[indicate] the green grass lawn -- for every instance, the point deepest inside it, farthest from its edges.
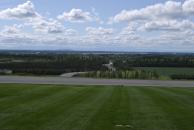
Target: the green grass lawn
(167, 71)
(49, 107)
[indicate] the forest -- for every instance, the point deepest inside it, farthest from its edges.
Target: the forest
(59, 63)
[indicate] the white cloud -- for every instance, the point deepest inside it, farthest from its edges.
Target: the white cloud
(168, 10)
(10, 30)
(168, 16)
(71, 32)
(99, 31)
(129, 16)
(46, 26)
(76, 15)
(172, 40)
(188, 6)
(97, 36)
(155, 26)
(168, 25)
(131, 28)
(22, 11)
(27, 13)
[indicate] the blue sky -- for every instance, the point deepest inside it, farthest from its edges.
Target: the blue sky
(103, 25)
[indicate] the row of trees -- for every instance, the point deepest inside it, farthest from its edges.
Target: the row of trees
(154, 61)
(51, 64)
(55, 64)
(129, 74)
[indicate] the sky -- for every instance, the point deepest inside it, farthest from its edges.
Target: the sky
(97, 25)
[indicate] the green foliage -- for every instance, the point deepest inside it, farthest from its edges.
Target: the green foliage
(167, 73)
(52, 64)
(56, 63)
(182, 76)
(129, 74)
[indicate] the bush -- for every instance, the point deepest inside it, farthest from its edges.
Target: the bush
(129, 74)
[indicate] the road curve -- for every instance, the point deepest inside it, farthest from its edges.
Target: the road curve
(89, 81)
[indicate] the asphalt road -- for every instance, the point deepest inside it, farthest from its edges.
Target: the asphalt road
(88, 81)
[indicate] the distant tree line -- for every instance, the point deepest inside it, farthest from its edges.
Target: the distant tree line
(52, 65)
(55, 64)
(154, 61)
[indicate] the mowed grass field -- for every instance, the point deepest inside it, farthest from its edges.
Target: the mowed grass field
(49, 107)
(167, 71)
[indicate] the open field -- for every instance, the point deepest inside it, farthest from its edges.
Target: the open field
(44, 107)
(167, 71)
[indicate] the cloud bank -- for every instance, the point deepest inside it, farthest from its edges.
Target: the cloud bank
(154, 27)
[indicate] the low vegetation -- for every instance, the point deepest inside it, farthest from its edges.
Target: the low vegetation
(129, 74)
(171, 72)
(51, 107)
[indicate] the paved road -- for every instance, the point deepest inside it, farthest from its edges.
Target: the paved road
(88, 81)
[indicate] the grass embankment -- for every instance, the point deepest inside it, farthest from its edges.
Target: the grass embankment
(44, 107)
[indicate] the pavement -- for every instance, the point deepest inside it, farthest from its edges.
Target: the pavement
(91, 81)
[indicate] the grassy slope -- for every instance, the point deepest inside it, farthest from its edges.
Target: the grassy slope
(34, 107)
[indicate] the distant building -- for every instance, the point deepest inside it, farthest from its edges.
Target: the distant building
(110, 66)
